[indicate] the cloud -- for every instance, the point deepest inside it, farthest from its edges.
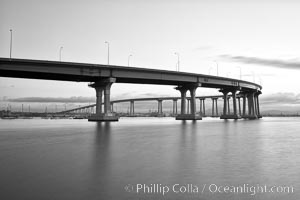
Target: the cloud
(280, 98)
(203, 48)
(291, 64)
(55, 99)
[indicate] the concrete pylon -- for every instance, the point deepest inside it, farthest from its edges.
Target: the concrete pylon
(182, 91)
(159, 108)
(131, 110)
(244, 95)
(214, 112)
(250, 98)
(239, 105)
(103, 87)
(202, 107)
(174, 107)
(192, 115)
(257, 103)
(226, 112)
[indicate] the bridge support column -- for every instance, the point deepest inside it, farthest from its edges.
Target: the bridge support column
(253, 105)
(249, 97)
(174, 107)
(101, 87)
(226, 112)
(159, 108)
(214, 112)
(193, 100)
(183, 99)
(192, 115)
(213, 107)
(257, 104)
(202, 107)
(131, 110)
(244, 104)
(239, 101)
(99, 91)
(225, 104)
(228, 105)
(252, 111)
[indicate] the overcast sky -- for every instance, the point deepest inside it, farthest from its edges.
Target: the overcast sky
(259, 38)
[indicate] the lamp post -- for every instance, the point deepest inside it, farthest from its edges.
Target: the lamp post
(10, 49)
(60, 50)
(217, 67)
(107, 51)
(129, 59)
(178, 62)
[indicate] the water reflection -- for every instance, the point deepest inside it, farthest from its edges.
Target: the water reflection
(85, 160)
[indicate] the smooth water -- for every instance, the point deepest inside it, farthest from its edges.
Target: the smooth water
(142, 158)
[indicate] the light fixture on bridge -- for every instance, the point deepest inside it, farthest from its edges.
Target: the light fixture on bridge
(10, 49)
(240, 72)
(178, 62)
(217, 67)
(107, 52)
(129, 59)
(60, 50)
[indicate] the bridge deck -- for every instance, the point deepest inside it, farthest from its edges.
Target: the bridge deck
(83, 72)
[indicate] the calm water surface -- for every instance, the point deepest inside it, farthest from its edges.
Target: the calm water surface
(76, 159)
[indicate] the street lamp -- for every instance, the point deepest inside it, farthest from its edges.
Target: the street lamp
(178, 62)
(60, 50)
(217, 67)
(10, 49)
(107, 51)
(129, 59)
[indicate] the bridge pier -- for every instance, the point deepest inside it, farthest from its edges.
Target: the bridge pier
(239, 101)
(228, 105)
(257, 104)
(174, 107)
(192, 114)
(250, 98)
(214, 112)
(251, 104)
(202, 107)
(226, 109)
(159, 108)
(244, 95)
(131, 109)
(103, 87)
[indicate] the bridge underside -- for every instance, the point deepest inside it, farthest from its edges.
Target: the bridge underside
(85, 78)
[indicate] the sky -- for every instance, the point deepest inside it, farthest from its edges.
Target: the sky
(254, 40)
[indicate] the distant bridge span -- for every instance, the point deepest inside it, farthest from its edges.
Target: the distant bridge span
(159, 99)
(103, 76)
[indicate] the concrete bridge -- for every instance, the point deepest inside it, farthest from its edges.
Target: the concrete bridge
(90, 109)
(103, 76)
(215, 113)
